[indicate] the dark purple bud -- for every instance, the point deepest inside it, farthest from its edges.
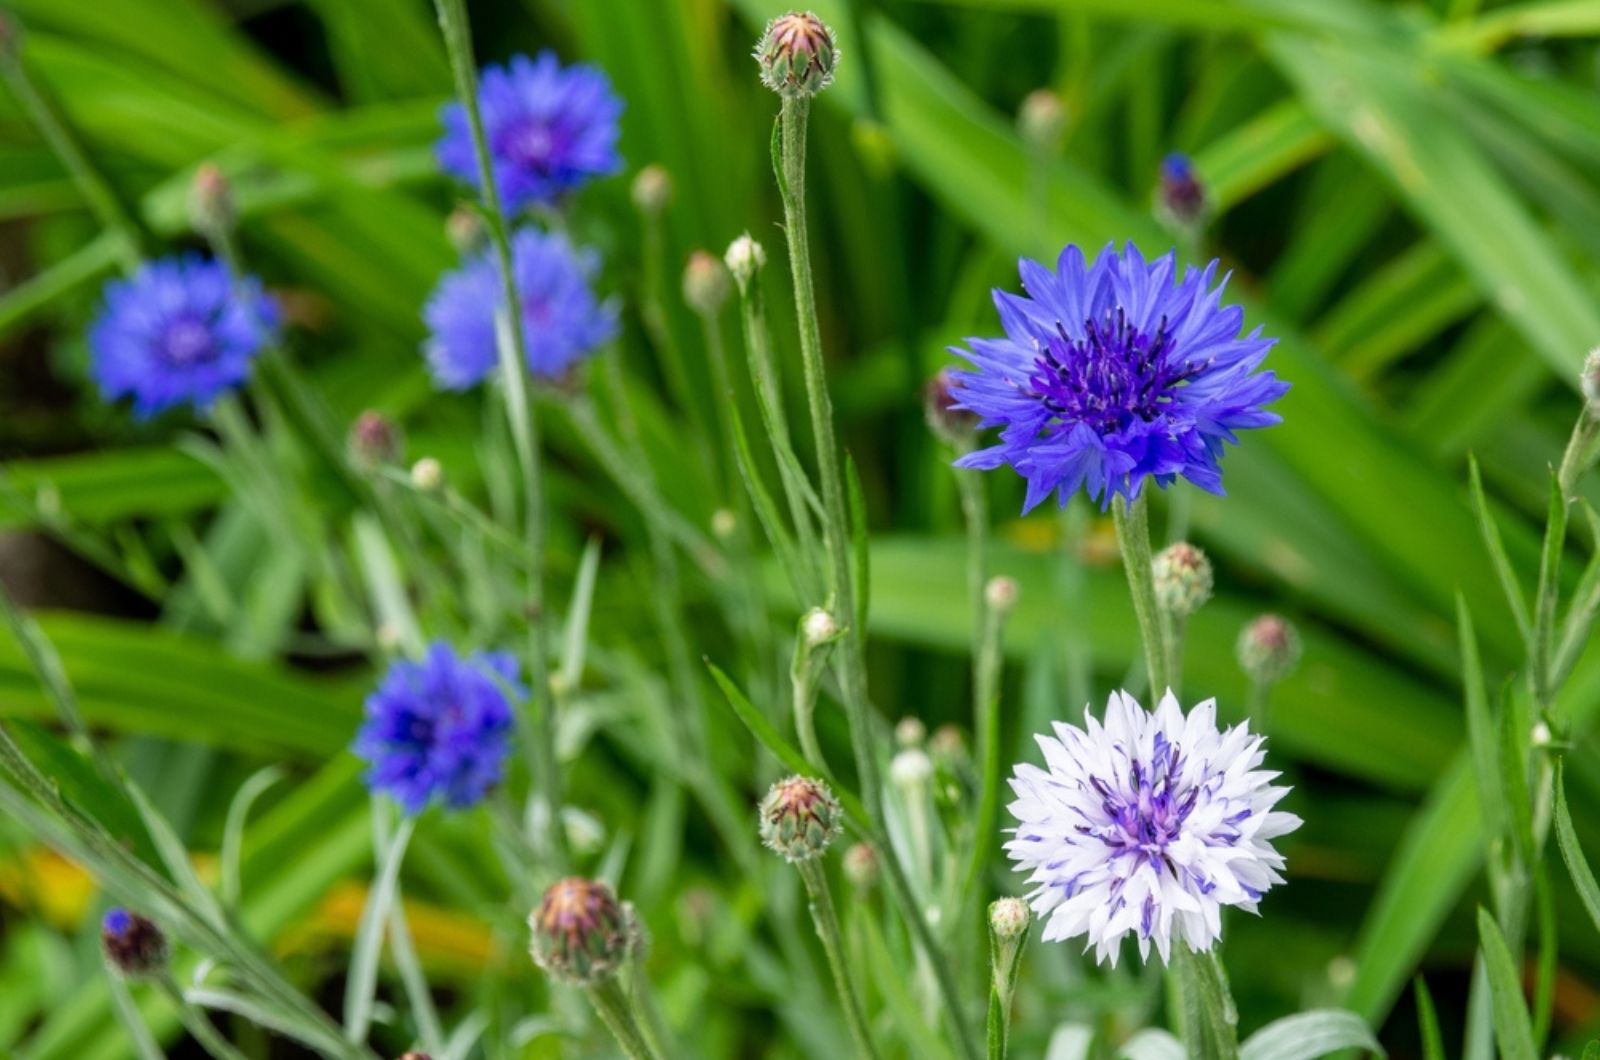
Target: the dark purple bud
(1181, 198)
(132, 943)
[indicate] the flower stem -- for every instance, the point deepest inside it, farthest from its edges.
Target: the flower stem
(827, 923)
(1005, 960)
(1133, 537)
(986, 728)
(1206, 1012)
(196, 1022)
(540, 724)
(617, 1014)
(836, 538)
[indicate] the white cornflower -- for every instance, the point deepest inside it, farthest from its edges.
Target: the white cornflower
(1149, 824)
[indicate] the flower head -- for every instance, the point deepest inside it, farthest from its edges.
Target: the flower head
(1114, 373)
(1268, 649)
(1008, 917)
(1146, 824)
(581, 933)
(179, 331)
(439, 729)
(800, 818)
(374, 441)
(132, 943)
(563, 321)
(797, 54)
(1183, 578)
(550, 129)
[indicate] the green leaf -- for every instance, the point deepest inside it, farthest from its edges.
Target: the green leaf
(1307, 1035)
(1577, 865)
(362, 979)
(1428, 1023)
(1512, 1028)
(1497, 553)
(1482, 735)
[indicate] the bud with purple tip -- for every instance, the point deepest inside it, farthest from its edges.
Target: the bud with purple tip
(955, 426)
(1183, 579)
(132, 943)
(652, 190)
(1268, 649)
(797, 55)
(706, 283)
(581, 933)
(375, 441)
(1181, 199)
(800, 818)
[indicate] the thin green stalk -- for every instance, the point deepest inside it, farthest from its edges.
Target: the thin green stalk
(986, 726)
(1579, 453)
(1172, 630)
(1133, 537)
(612, 1006)
(525, 428)
(1005, 962)
(198, 1023)
(1208, 1018)
(827, 923)
(852, 661)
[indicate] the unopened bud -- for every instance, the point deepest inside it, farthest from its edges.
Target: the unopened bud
(861, 866)
(1042, 121)
(745, 258)
(1008, 918)
(819, 627)
(1590, 381)
(1000, 594)
(797, 55)
(1540, 737)
(947, 745)
(705, 283)
(910, 768)
(375, 441)
(1180, 197)
(949, 423)
(724, 523)
(910, 732)
(1268, 649)
(652, 190)
(580, 933)
(427, 474)
(464, 229)
(211, 208)
(1183, 579)
(132, 943)
(414, 1055)
(799, 818)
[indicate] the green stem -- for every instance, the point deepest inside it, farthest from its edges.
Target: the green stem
(617, 1014)
(1005, 961)
(541, 720)
(1208, 1018)
(1579, 453)
(1133, 537)
(827, 923)
(198, 1023)
(1172, 629)
(986, 726)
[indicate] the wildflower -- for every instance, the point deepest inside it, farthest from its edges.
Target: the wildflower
(1008, 918)
(375, 441)
(652, 190)
(797, 55)
(439, 729)
(1183, 578)
(563, 321)
(744, 258)
(179, 331)
(705, 283)
(581, 934)
(551, 128)
(1114, 373)
(799, 818)
(1268, 649)
(1042, 120)
(1180, 197)
(132, 943)
(1146, 824)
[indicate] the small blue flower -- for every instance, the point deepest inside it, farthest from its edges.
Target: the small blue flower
(550, 129)
(562, 319)
(1113, 373)
(439, 729)
(179, 331)
(1180, 197)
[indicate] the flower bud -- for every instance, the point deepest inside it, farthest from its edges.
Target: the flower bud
(861, 866)
(910, 768)
(375, 441)
(910, 732)
(818, 627)
(1268, 649)
(1042, 121)
(745, 258)
(1008, 918)
(1590, 382)
(580, 932)
(652, 190)
(705, 283)
(724, 523)
(797, 55)
(947, 746)
(414, 1055)
(947, 422)
(1180, 197)
(132, 943)
(1540, 736)
(427, 475)
(799, 818)
(1000, 594)
(464, 229)
(1182, 579)
(211, 209)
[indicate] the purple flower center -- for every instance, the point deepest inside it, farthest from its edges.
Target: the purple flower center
(1110, 375)
(187, 341)
(1146, 812)
(531, 142)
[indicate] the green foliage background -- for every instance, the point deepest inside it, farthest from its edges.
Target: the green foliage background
(1409, 197)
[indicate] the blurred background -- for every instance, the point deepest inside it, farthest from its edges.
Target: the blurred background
(1407, 194)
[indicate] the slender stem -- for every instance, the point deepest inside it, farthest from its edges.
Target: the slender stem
(1256, 704)
(541, 722)
(1005, 960)
(827, 923)
(804, 671)
(986, 726)
(198, 1023)
(1133, 537)
(852, 661)
(614, 1010)
(1172, 629)
(1579, 452)
(1208, 1018)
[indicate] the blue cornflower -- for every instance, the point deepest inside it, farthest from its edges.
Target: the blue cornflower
(1114, 373)
(439, 729)
(180, 330)
(562, 319)
(550, 128)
